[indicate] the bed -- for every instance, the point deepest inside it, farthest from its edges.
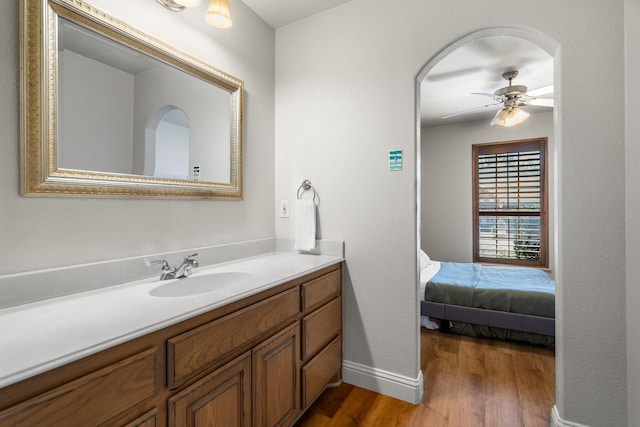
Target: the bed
(510, 303)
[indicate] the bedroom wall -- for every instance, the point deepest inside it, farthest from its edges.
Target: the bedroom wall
(632, 38)
(51, 232)
(345, 97)
(446, 182)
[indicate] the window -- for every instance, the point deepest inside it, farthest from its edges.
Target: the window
(510, 203)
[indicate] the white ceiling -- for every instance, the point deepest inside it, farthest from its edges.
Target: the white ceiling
(477, 68)
(448, 87)
(278, 13)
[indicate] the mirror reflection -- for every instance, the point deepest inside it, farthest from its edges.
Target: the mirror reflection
(121, 111)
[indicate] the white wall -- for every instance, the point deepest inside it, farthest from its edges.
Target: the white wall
(446, 232)
(49, 232)
(346, 96)
(632, 90)
(99, 134)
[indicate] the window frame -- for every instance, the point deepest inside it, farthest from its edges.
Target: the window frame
(521, 145)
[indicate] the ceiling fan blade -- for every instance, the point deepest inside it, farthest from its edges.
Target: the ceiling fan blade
(482, 94)
(541, 102)
(453, 74)
(470, 110)
(543, 90)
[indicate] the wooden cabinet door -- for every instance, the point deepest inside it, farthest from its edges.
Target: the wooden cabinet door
(276, 379)
(150, 419)
(221, 399)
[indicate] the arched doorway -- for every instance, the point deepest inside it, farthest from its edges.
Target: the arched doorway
(481, 58)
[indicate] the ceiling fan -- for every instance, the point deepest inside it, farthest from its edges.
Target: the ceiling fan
(512, 97)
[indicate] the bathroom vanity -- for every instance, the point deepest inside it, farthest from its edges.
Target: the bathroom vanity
(255, 354)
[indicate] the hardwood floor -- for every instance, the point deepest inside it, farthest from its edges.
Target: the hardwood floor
(468, 382)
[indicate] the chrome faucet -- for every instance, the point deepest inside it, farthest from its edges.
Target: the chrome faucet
(167, 271)
(185, 269)
(187, 266)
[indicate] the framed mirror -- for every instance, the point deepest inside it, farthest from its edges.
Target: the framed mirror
(107, 110)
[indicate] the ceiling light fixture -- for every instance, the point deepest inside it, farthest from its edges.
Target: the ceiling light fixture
(188, 3)
(178, 5)
(217, 15)
(509, 116)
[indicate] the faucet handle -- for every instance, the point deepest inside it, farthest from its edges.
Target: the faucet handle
(165, 264)
(190, 257)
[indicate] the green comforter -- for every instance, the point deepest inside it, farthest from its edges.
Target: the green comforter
(512, 289)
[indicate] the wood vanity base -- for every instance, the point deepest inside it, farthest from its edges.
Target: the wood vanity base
(260, 361)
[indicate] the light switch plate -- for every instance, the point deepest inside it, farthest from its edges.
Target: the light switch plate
(284, 209)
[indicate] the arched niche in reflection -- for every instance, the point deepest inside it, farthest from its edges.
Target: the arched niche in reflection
(167, 144)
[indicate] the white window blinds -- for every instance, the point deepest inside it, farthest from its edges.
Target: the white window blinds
(510, 202)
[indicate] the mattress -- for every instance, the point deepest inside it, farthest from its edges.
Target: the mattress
(512, 289)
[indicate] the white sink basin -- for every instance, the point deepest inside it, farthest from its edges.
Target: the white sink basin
(199, 284)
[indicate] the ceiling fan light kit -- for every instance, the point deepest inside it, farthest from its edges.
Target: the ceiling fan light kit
(511, 96)
(508, 117)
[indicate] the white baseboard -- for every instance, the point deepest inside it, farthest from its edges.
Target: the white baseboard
(384, 382)
(557, 421)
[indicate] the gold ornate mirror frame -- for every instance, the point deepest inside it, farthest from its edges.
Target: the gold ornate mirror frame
(40, 174)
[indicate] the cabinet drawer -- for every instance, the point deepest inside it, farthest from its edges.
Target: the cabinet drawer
(321, 289)
(320, 370)
(320, 327)
(92, 399)
(193, 351)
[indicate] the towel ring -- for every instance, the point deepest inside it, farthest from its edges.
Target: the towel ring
(306, 186)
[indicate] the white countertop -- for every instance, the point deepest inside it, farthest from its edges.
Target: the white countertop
(43, 335)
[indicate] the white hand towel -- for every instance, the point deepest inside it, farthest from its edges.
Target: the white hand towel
(305, 225)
